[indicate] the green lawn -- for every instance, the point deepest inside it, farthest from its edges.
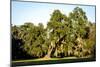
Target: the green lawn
(41, 59)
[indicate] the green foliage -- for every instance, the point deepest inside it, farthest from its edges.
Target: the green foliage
(64, 36)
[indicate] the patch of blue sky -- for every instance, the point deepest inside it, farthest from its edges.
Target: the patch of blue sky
(40, 12)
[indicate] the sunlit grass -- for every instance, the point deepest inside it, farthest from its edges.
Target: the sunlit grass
(43, 59)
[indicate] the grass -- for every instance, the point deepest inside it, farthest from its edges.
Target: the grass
(43, 59)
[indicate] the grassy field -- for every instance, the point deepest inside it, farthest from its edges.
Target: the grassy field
(42, 61)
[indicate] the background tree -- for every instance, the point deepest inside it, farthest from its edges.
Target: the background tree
(81, 29)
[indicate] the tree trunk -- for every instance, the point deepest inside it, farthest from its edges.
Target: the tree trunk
(50, 49)
(53, 47)
(49, 52)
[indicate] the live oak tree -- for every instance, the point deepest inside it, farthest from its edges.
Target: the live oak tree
(57, 32)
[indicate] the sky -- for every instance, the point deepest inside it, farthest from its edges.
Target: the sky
(40, 12)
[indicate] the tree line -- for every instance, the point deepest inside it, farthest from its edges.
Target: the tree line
(65, 36)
